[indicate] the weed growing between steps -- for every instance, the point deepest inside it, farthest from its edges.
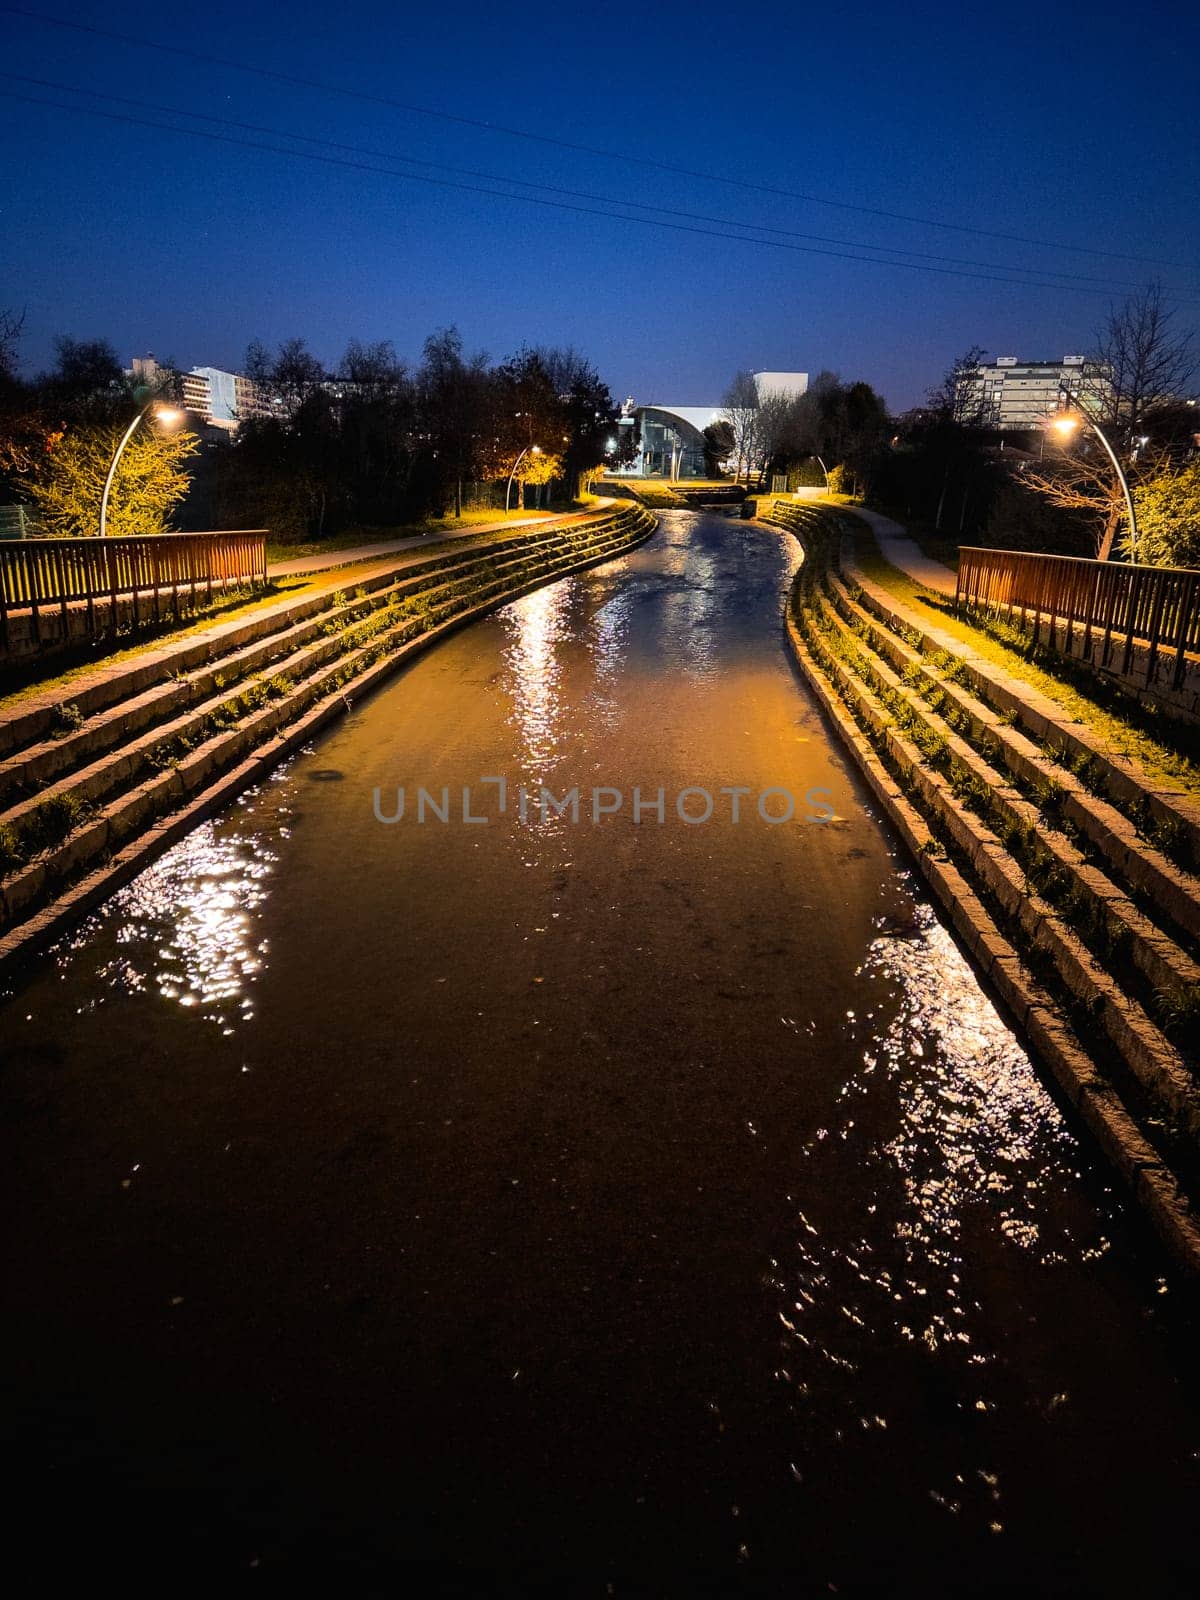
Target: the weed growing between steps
(1046, 875)
(1169, 751)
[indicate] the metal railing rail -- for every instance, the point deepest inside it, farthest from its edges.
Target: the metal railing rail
(40, 575)
(1126, 605)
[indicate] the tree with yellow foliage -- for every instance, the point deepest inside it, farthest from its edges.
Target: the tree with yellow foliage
(67, 482)
(541, 470)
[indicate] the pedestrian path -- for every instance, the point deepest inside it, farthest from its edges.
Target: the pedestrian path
(906, 554)
(370, 552)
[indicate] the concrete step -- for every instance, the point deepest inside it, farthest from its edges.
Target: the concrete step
(1150, 1056)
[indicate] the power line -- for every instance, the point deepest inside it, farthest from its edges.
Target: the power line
(536, 200)
(414, 109)
(576, 194)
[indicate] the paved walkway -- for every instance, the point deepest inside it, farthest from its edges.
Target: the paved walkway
(906, 554)
(370, 552)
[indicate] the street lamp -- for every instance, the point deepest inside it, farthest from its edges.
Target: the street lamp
(165, 414)
(1065, 426)
(529, 450)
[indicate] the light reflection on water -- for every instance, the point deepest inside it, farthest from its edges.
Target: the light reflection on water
(980, 1146)
(978, 1124)
(187, 927)
(535, 626)
(607, 641)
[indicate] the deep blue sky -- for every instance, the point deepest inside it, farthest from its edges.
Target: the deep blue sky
(1070, 124)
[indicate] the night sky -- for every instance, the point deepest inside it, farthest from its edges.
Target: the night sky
(1071, 125)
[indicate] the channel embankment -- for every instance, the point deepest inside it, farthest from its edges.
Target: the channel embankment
(1068, 872)
(93, 788)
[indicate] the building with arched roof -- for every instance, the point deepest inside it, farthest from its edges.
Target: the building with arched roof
(671, 438)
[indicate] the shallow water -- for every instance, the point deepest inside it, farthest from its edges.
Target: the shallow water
(647, 1204)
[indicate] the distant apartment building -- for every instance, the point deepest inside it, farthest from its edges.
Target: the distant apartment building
(1010, 393)
(219, 398)
(223, 398)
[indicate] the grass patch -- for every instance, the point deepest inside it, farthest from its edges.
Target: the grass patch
(67, 719)
(50, 823)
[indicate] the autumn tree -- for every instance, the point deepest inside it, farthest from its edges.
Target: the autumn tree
(539, 468)
(67, 483)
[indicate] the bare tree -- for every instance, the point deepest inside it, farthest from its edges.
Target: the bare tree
(741, 413)
(454, 393)
(291, 377)
(1141, 361)
(959, 398)
(1140, 366)
(775, 426)
(11, 327)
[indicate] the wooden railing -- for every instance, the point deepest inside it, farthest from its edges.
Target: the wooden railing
(94, 576)
(1125, 606)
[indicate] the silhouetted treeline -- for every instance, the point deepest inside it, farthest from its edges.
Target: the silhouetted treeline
(377, 444)
(371, 442)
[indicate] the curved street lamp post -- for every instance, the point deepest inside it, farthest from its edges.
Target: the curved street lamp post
(164, 414)
(529, 450)
(1066, 425)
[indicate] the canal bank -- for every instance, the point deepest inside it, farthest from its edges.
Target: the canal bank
(1045, 846)
(646, 1204)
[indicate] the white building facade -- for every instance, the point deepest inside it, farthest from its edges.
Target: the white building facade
(671, 438)
(1010, 393)
(219, 398)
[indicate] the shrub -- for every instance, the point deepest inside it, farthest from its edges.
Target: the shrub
(10, 850)
(66, 719)
(51, 822)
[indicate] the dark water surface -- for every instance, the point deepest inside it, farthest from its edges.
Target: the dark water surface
(652, 1206)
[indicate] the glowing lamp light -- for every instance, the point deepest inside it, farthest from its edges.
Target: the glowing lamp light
(529, 450)
(1065, 424)
(164, 414)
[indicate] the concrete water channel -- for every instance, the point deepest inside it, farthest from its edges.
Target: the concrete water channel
(660, 1205)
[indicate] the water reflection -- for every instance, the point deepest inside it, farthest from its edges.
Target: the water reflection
(186, 927)
(535, 626)
(608, 643)
(978, 1125)
(980, 1148)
